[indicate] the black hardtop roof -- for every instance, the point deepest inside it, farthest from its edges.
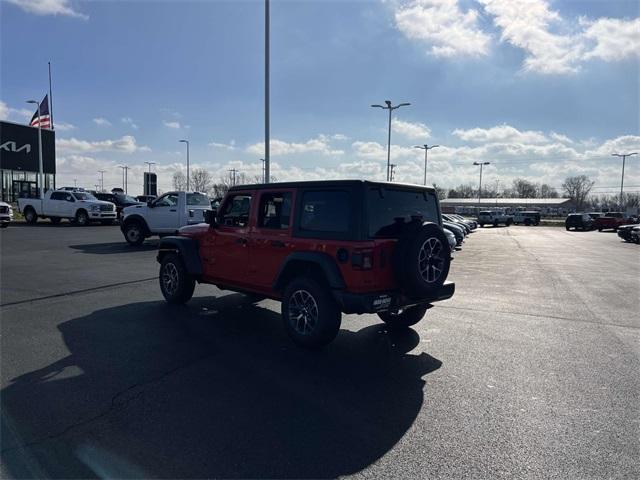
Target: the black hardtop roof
(327, 183)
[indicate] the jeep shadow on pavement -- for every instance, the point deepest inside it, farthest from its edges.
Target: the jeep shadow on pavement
(212, 390)
(322, 249)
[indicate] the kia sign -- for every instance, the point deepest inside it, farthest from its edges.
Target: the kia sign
(19, 148)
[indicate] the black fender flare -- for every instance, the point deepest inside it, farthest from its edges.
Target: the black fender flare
(187, 248)
(137, 218)
(325, 262)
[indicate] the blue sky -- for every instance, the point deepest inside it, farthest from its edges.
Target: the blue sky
(542, 89)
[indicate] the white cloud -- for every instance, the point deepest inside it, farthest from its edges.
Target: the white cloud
(339, 136)
(554, 45)
(413, 131)
(614, 39)
(175, 125)
(319, 144)
(49, 7)
(102, 122)
(227, 146)
(64, 127)
(126, 144)
(447, 30)
(129, 121)
(500, 133)
(560, 137)
(14, 114)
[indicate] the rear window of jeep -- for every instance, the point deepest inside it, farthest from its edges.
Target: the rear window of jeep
(325, 211)
(390, 208)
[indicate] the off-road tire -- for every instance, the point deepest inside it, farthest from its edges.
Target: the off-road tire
(401, 319)
(134, 233)
(568, 228)
(55, 220)
(318, 316)
(176, 284)
(421, 260)
(30, 216)
(82, 218)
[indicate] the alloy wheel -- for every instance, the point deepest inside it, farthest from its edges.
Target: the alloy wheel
(431, 260)
(303, 312)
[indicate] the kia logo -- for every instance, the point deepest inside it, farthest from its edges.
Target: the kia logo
(12, 147)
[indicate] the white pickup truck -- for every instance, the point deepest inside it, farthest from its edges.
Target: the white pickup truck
(78, 207)
(494, 217)
(164, 215)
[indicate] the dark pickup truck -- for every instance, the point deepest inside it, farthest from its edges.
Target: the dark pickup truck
(611, 221)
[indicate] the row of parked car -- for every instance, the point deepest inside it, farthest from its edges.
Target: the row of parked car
(628, 227)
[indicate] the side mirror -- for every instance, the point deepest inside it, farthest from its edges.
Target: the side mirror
(210, 218)
(150, 203)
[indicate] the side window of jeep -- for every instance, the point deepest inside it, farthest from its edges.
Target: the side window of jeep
(325, 211)
(236, 210)
(275, 211)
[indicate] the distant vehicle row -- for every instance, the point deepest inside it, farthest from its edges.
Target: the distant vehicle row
(597, 220)
(77, 206)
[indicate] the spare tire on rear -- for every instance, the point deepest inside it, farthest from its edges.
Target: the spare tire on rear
(422, 259)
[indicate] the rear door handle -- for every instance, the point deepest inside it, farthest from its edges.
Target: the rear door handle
(277, 243)
(241, 241)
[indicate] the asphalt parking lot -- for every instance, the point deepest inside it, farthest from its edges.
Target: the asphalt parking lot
(530, 371)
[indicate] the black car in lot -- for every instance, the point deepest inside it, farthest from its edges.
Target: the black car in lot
(119, 199)
(579, 221)
(625, 232)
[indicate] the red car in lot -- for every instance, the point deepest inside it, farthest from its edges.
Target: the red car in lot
(611, 221)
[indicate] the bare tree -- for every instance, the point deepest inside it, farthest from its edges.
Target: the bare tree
(523, 188)
(200, 180)
(440, 192)
(463, 191)
(179, 181)
(577, 189)
(546, 191)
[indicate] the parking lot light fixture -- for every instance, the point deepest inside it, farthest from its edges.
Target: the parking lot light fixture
(624, 157)
(391, 108)
(426, 149)
(480, 186)
(187, 142)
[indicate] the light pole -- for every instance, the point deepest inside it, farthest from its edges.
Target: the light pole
(125, 177)
(480, 187)
(187, 142)
(101, 172)
(264, 170)
(148, 192)
(392, 169)
(624, 157)
(40, 174)
(267, 153)
(426, 149)
(391, 108)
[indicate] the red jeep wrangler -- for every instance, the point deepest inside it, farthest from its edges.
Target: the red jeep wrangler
(321, 248)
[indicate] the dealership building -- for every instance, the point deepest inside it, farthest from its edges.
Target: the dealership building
(19, 161)
(546, 206)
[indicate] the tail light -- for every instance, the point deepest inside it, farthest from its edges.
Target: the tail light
(362, 259)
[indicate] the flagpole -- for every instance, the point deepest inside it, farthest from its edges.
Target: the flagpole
(50, 98)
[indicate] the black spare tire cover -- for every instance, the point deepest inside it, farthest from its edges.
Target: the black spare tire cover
(422, 259)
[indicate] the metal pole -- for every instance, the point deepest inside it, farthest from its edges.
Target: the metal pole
(480, 187)
(41, 174)
(50, 98)
(389, 148)
(187, 166)
(426, 153)
(624, 157)
(101, 172)
(267, 153)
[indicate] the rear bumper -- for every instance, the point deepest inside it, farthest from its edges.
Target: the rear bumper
(391, 300)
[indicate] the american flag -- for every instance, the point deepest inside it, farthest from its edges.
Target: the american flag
(44, 120)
